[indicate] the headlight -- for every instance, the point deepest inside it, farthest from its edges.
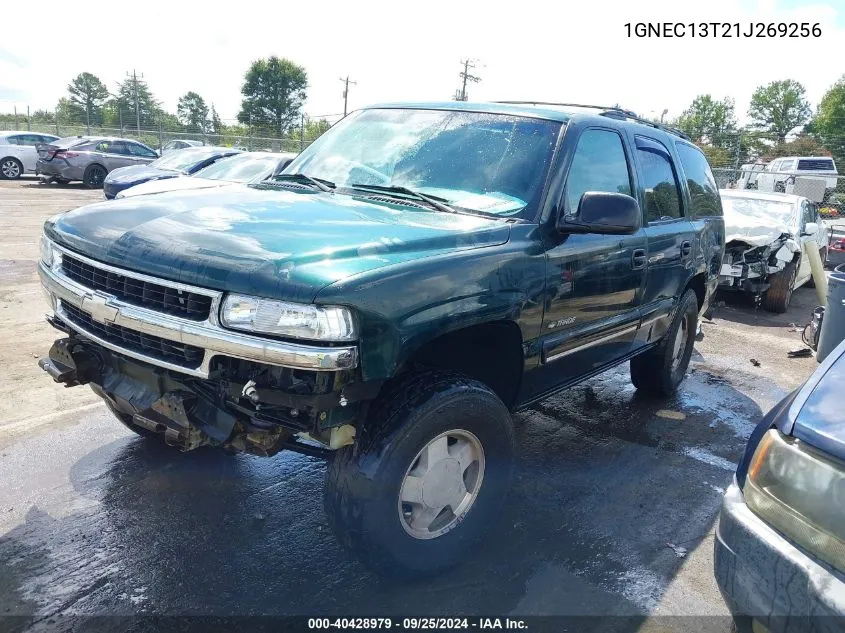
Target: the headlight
(46, 251)
(801, 493)
(296, 320)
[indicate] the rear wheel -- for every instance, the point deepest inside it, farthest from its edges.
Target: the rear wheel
(11, 168)
(661, 369)
(427, 476)
(780, 289)
(94, 176)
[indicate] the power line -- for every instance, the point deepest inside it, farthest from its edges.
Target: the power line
(137, 105)
(346, 91)
(461, 94)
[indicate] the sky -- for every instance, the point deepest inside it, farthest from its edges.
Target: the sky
(411, 51)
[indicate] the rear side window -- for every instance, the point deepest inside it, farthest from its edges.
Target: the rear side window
(815, 164)
(599, 164)
(704, 194)
(140, 150)
(662, 196)
(15, 140)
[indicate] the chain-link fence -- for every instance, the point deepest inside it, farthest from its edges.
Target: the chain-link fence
(295, 140)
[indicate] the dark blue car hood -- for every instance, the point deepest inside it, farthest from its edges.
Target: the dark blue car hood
(138, 173)
(817, 416)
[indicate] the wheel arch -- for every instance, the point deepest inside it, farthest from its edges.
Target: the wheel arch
(491, 353)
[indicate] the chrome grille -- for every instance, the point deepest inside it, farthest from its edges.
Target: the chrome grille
(187, 356)
(158, 297)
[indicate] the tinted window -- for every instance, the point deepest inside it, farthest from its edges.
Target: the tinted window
(662, 198)
(599, 164)
(704, 194)
(140, 150)
(15, 140)
(816, 164)
(808, 212)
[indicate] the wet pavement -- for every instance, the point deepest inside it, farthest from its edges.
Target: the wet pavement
(611, 510)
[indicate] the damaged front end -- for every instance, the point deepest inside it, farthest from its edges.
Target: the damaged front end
(157, 353)
(243, 406)
(748, 268)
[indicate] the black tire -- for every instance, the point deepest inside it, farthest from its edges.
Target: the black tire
(363, 482)
(10, 168)
(780, 289)
(659, 370)
(94, 176)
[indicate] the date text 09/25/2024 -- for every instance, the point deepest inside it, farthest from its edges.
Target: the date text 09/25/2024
(723, 29)
(418, 624)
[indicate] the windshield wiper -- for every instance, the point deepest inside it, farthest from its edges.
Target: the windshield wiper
(319, 183)
(436, 201)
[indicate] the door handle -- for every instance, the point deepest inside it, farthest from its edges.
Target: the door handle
(686, 248)
(638, 259)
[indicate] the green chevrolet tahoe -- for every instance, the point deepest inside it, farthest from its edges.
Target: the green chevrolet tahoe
(417, 274)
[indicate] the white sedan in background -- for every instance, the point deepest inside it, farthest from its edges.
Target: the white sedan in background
(765, 235)
(241, 168)
(17, 152)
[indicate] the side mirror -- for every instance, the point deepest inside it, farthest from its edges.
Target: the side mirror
(811, 228)
(604, 212)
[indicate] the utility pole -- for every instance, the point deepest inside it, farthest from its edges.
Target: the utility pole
(16, 116)
(346, 83)
(137, 104)
(28, 120)
(461, 95)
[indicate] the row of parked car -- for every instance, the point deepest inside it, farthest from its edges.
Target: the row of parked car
(115, 164)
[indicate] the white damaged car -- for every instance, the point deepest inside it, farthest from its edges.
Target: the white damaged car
(764, 238)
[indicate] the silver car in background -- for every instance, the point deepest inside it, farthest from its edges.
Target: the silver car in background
(17, 152)
(248, 167)
(89, 159)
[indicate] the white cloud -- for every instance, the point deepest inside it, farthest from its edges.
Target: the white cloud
(575, 51)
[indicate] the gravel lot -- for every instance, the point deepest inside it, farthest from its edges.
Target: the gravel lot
(612, 509)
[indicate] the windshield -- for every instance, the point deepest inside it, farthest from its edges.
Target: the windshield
(485, 162)
(183, 159)
(241, 168)
(767, 211)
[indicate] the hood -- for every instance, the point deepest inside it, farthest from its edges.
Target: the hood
(180, 183)
(746, 221)
(268, 242)
(820, 420)
(135, 173)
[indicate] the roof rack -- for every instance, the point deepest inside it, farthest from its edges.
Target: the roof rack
(611, 112)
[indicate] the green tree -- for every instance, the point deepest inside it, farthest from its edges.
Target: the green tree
(86, 96)
(149, 108)
(778, 108)
(193, 112)
(273, 93)
(709, 121)
(216, 123)
(829, 123)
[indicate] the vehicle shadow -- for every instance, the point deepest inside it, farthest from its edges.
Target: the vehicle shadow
(609, 487)
(739, 308)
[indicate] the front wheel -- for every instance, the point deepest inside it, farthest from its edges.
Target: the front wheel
(661, 369)
(781, 286)
(427, 476)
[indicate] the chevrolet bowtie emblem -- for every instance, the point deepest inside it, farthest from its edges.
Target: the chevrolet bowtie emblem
(99, 309)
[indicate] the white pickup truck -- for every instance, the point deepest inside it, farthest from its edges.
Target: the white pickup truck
(782, 172)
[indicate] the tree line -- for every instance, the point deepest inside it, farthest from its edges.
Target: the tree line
(778, 111)
(273, 92)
